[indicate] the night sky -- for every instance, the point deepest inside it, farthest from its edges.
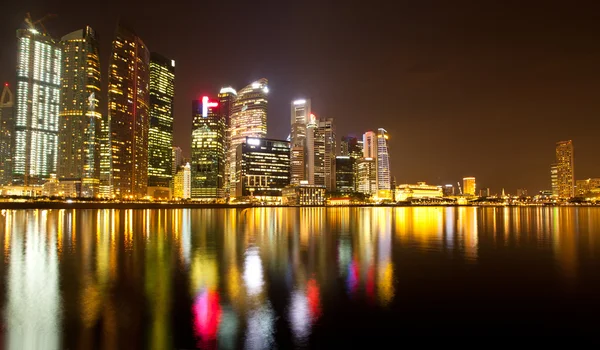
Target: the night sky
(465, 88)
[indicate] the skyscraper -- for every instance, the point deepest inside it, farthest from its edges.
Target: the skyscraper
(309, 151)
(297, 165)
(554, 178)
(80, 120)
(128, 113)
(469, 186)
(344, 174)
(37, 107)
(370, 145)
(351, 147)
(177, 155)
(182, 182)
(366, 181)
(160, 133)
(565, 169)
(227, 96)
(6, 135)
(208, 150)
(324, 150)
(248, 119)
(383, 161)
(300, 116)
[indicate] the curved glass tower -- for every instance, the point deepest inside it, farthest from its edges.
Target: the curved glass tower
(383, 161)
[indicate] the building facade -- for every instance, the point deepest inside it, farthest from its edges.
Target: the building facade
(80, 118)
(160, 132)
(469, 186)
(177, 156)
(383, 161)
(182, 182)
(37, 107)
(297, 165)
(304, 195)
(227, 96)
(248, 119)
(370, 145)
(324, 154)
(263, 169)
(366, 181)
(419, 191)
(129, 114)
(208, 150)
(300, 115)
(344, 174)
(6, 135)
(565, 168)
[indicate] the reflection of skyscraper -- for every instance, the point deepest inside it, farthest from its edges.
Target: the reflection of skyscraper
(208, 150)
(565, 169)
(160, 134)
(80, 117)
(37, 107)
(248, 119)
(6, 135)
(128, 112)
(383, 161)
(469, 186)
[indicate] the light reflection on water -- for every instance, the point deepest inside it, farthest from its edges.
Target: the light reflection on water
(233, 278)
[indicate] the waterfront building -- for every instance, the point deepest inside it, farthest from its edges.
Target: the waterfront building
(303, 194)
(80, 119)
(565, 169)
(177, 156)
(324, 154)
(248, 119)
(208, 150)
(344, 174)
(366, 176)
(419, 191)
(370, 145)
(554, 179)
(469, 186)
(300, 116)
(448, 190)
(160, 132)
(310, 150)
(182, 182)
(383, 165)
(484, 192)
(37, 105)
(297, 165)
(227, 96)
(262, 169)
(584, 187)
(128, 114)
(6, 135)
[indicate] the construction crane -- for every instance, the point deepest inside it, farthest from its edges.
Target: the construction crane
(32, 24)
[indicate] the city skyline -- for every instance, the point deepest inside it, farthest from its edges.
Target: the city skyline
(458, 112)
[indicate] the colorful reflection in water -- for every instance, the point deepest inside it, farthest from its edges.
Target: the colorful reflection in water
(285, 277)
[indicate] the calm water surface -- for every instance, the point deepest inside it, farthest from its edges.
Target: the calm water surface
(294, 277)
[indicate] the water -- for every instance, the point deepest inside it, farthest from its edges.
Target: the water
(294, 277)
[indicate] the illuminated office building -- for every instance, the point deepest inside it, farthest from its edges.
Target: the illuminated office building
(6, 135)
(419, 191)
(351, 146)
(128, 113)
(344, 174)
(554, 178)
(182, 182)
(366, 181)
(177, 156)
(160, 133)
(300, 116)
(227, 96)
(324, 154)
(80, 119)
(469, 187)
(309, 149)
(369, 145)
(208, 150)
(448, 190)
(565, 169)
(383, 161)
(248, 119)
(584, 187)
(262, 169)
(297, 165)
(37, 107)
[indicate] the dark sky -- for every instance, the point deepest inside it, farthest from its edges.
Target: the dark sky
(465, 88)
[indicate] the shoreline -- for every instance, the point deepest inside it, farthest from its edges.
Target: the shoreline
(134, 205)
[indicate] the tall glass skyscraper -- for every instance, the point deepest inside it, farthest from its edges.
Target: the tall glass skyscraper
(324, 158)
(300, 116)
(208, 150)
(565, 168)
(248, 119)
(227, 96)
(128, 113)
(384, 182)
(37, 107)
(6, 135)
(80, 120)
(160, 134)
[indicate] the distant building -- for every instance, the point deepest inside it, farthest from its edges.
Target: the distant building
(484, 192)
(565, 169)
(554, 179)
(469, 187)
(262, 169)
(351, 146)
(6, 135)
(366, 181)
(208, 150)
(370, 145)
(303, 194)
(419, 191)
(182, 183)
(80, 118)
(177, 157)
(300, 115)
(129, 113)
(227, 96)
(37, 107)
(344, 174)
(297, 165)
(324, 159)
(584, 187)
(160, 134)
(448, 190)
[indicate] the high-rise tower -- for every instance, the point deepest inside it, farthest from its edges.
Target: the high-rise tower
(248, 119)
(227, 96)
(300, 114)
(80, 118)
(37, 107)
(160, 134)
(6, 135)
(383, 161)
(324, 149)
(208, 150)
(565, 169)
(128, 113)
